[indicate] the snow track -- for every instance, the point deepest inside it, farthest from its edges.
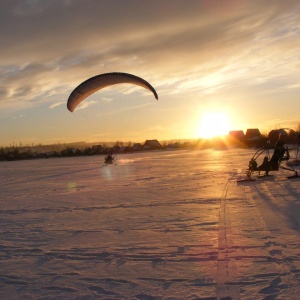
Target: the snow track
(227, 287)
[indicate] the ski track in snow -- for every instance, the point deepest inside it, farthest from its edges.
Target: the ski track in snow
(226, 266)
(158, 225)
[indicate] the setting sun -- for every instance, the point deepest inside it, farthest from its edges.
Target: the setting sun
(213, 124)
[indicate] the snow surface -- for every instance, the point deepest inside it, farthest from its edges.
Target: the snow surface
(158, 225)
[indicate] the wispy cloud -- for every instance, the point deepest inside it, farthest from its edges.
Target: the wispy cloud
(56, 104)
(85, 104)
(18, 117)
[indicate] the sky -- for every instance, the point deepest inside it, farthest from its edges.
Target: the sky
(235, 59)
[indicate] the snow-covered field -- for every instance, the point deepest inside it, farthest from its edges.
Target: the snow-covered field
(158, 225)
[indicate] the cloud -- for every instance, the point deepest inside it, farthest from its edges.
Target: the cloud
(85, 104)
(141, 36)
(56, 104)
(18, 117)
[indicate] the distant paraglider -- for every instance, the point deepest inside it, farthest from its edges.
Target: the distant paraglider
(101, 81)
(109, 159)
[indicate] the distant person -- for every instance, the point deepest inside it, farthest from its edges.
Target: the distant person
(109, 158)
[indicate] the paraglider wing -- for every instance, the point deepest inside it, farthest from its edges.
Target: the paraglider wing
(101, 81)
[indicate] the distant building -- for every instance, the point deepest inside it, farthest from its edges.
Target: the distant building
(152, 145)
(275, 134)
(253, 137)
(237, 134)
(237, 137)
(97, 148)
(253, 134)
(137, 147)
(70, 152)
(174, 145)
(125, 149)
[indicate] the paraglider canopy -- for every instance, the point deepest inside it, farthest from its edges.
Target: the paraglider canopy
(101, 81)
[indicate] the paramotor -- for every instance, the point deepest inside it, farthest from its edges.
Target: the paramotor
(280, 154)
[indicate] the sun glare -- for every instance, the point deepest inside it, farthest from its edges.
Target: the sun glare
(213, 124)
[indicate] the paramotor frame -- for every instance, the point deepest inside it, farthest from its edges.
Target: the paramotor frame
(267, 165)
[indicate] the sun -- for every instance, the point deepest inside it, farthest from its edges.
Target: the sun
(213, 124)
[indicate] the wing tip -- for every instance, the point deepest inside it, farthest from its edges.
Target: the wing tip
(71, 109)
